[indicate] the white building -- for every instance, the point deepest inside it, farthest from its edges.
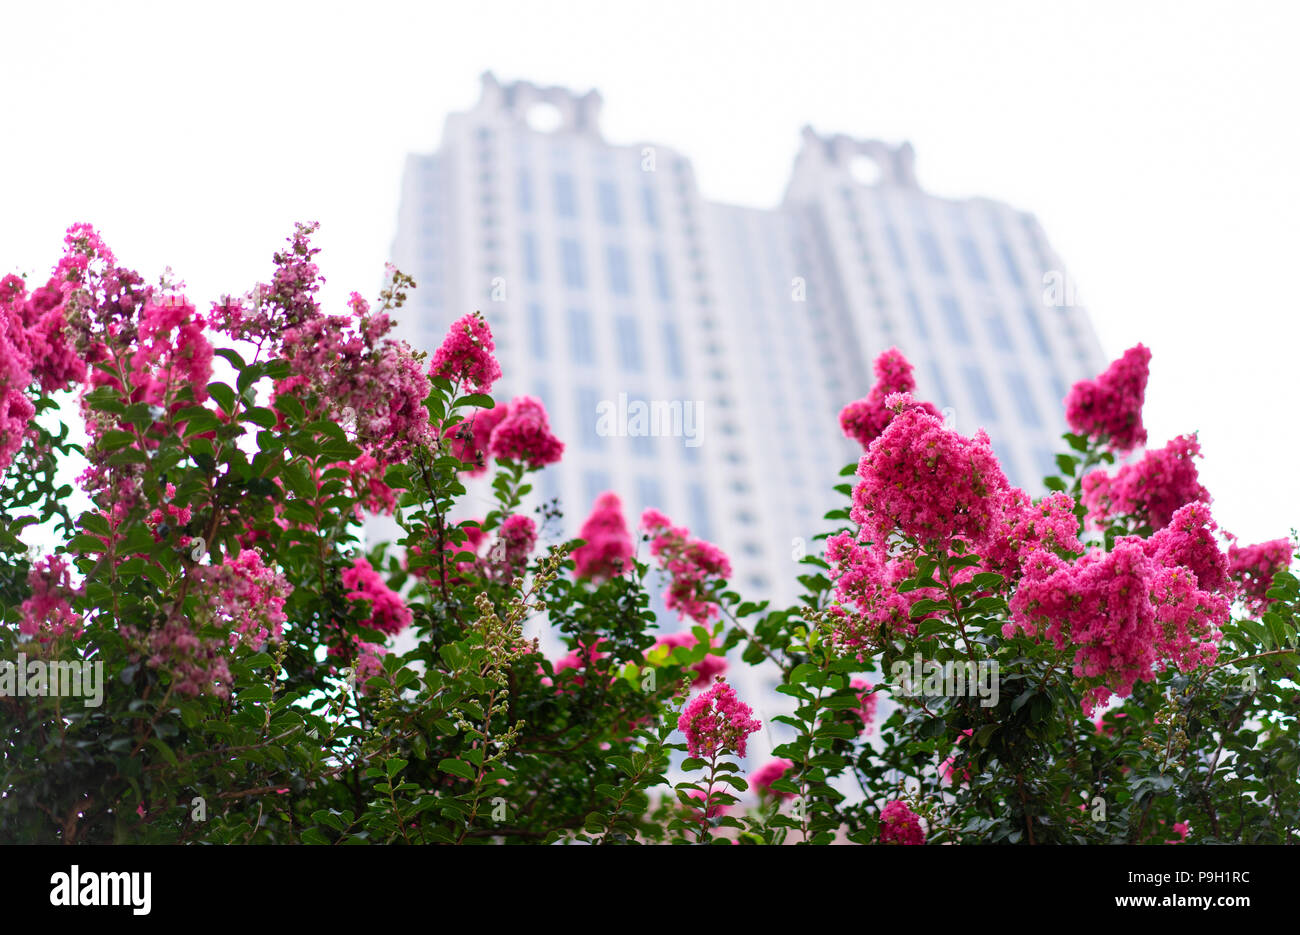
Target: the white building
(607, 277)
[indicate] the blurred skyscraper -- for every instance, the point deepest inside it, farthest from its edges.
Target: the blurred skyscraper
(609, 281)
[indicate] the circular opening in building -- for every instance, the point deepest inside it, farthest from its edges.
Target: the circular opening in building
(544, 118)
(865, 170)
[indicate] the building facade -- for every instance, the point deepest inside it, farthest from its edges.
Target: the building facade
(614, 287)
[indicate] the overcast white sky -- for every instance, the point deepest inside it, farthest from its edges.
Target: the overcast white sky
(1157, 142)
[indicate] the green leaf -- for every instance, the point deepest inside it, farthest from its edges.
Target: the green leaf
(457, 768)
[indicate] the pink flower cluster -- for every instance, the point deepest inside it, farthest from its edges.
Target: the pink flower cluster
(763, 777)
(1149, 490)
(248, 596)
(35, 347)
(607, 549)
(900, 825)
(470, 440)
(717, 722)
(366, 659)
(1025, 527)
(525, 435)
(388, 613)
(1253, 568)
(866, 580)
(465, 356)
(1110, 407)
(47, 612)
(356, 375)
(517, 537)
(867, 695)
(927, 481)
(706, 669)
(366, 479)
(865, 419)
(693, 565)
(1130, 610)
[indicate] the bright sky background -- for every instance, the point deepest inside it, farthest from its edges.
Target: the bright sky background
(1157, 143)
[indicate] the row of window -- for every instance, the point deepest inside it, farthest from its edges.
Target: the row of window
(567, 203)
(627, 340)
(573, 272)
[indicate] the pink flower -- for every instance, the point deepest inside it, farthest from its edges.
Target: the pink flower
(867, 695)
(1149, 490)
(1122, 612)
(706, 669)
(1110, 407)
(1253, 568)
(248, 596)
(717, 722)
(466, 355)
(470, 438)
(946, 768)
(899, 825)
(608, 549)
(387, 614)
(694, 566)
(48, 611)
(1188, 540)
(525, 435)
(928, 482)
(1180, 828)
(712, 809)
(1024, 528)
(865, 419)
(517, 537)
(763, 777)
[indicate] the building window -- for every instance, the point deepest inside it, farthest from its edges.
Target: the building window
(571, 264)
(659, 273)
(607, 201)
(918, 316)
(649, 494)
(594, 484)
(896, 246)
(673, 351)
(528, 247)
(649, 206)
(1018, 386)
(699, 505)
(588, 402)
(997, 329)
(566, 198)
(580, 346)
(537, 330)
(1035, 328)
(930, 251)
(524, 191)
(979, 393)
(1009, 261)
(629, 344)
(616, 270)
(974, 265)
(953, 319)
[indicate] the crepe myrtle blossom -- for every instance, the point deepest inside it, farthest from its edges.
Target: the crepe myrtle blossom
(693, 566)
(867, 696)
(48, 612)
(607, 550)
(1149, 490)
(1122, 612)
(927, 481)
(515, 540)
(706, 669)
(1110, 407)
(763, 777)
(900, 825)
(388, 613)
(525, 435)
(469, 439)
(465, 355)
(1252, 567)
(717, 722)
(865, 419)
